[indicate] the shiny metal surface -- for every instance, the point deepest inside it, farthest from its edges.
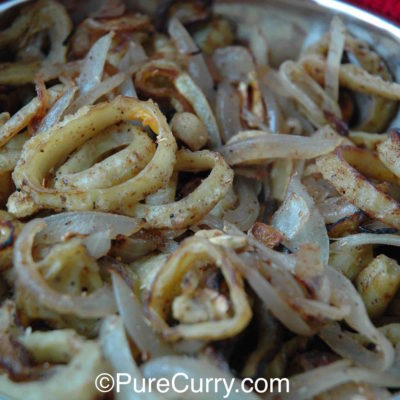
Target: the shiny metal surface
(10, 4)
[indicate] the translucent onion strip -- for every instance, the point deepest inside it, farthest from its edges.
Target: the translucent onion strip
(246, 213)
(273, 300)
(139, 329)
(360, 239)
(334, 209)
(310, 225)
(343, 344)
(58, 226)
(116, 349)
(92, 71)
(234, 63)
(321, 379)
(197, 66)
(56, 112)
(227, 109)
(291, 216)
(134, 55)
(22, 118)
(181, 36)
(97, 91)
(344, 293)
(336, 46)
(193, 94)
(269, 146)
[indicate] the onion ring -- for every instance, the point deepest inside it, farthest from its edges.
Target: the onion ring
(165, 288)
(97, 304)
(196, 205)
(44, 151)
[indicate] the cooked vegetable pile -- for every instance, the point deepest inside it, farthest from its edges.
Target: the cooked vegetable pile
(171, 202)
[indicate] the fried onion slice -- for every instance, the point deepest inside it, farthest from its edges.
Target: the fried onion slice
(373, 77)
(192, 208)
(26, 114)
(125, 27)
(44, 15)
(310, 96)
(46, 151)
(82, 360)
(164, 80)
(341, 169)
(389, 152)
(99, 303)
(355, 78)
(193, 253)
(113, 170)
(254, 147)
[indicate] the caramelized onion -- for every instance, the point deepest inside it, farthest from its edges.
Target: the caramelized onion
(192, 252)
(97, 304)
(58, 142)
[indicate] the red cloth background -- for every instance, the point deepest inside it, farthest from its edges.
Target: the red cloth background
(387, 8)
